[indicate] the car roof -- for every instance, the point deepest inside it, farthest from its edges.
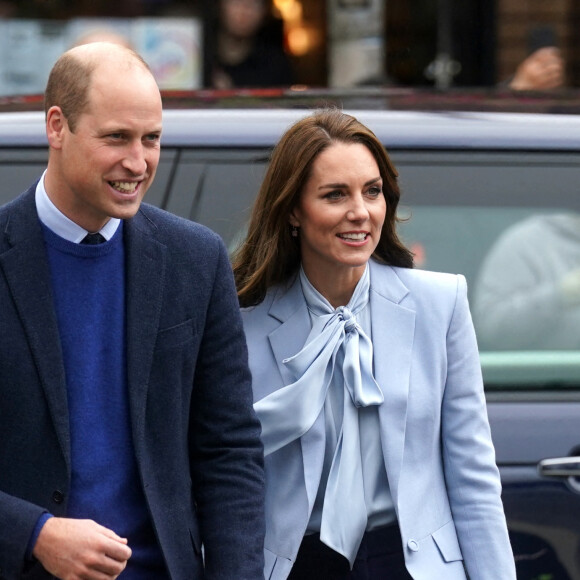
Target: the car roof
(397, 129)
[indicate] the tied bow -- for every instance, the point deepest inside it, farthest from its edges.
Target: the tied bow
(336, 350)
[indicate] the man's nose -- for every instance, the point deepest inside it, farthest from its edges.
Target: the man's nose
(135, 160)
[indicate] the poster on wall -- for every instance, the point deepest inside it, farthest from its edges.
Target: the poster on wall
(173, 49)
(171, 46)
(29, 48)
(82, 30)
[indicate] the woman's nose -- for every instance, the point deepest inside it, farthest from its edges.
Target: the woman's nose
(358, 209)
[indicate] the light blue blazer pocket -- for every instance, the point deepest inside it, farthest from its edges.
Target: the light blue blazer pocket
(447, 542)
(275, 566)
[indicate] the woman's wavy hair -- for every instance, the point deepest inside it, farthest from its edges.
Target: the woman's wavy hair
(270, 255)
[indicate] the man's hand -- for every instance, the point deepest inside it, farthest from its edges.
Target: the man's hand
(80, 549)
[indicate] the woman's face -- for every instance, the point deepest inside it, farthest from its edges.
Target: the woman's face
(341, 210)
(242, 18)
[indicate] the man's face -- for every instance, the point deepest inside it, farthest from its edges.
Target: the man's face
(105, 167)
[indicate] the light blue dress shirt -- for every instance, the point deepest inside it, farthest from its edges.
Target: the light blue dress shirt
(64, 227)
(380, 508)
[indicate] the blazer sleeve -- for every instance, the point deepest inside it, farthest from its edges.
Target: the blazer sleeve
(472, 477)
(14, 538)
(226, 451)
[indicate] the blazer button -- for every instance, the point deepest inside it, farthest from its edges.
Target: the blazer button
(57, 496)
(413, 546)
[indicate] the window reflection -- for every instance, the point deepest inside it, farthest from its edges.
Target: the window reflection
(527, 295)
(523, 271)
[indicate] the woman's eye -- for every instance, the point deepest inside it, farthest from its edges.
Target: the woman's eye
(375, 191)
(333, 195)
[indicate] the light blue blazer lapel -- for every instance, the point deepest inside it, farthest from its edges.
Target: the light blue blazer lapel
(286, 340)
(393, 329)
(145, 279)
(289, 308)
(25, 265)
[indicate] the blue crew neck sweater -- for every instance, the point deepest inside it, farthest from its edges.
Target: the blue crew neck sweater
(89, 295)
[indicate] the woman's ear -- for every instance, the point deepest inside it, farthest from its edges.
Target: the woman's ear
(293, 220)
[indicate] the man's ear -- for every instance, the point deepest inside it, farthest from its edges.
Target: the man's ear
(56, 123)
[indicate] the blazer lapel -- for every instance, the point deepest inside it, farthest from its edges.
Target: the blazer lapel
(25, 266)
(393, 328)
(289, 307)
(145, 279)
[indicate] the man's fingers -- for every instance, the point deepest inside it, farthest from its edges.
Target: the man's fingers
(112, 535)
(110, 567)
(117, 550)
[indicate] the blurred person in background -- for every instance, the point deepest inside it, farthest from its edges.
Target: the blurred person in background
(527, 295)
(246, 47)
(542, 70)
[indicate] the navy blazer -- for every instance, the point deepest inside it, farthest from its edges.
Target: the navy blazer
(195, 433)
(435, 435)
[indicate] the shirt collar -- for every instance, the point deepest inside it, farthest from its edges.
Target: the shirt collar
(64, 227)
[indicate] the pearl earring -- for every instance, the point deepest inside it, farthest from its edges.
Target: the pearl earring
(294, 232)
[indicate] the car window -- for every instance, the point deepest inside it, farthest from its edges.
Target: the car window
(455, 238)
(217, 187)
(19, 169)
(510, 223)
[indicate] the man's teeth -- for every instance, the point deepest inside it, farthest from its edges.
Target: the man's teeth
(125, 186)
(360, 236)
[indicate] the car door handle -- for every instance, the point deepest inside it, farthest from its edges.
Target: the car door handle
(560, 467)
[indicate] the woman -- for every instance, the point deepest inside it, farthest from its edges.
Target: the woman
(366, 377)
(247, 47)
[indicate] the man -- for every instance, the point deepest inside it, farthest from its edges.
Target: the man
(127, 434)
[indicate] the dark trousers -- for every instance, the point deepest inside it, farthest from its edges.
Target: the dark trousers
(380, 557)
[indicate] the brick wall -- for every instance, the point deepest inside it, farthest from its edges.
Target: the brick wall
(573, 48)
(515, 21)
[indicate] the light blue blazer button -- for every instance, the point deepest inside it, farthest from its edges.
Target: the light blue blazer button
(413, 545)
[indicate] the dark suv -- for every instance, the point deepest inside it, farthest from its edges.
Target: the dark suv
(470, 183)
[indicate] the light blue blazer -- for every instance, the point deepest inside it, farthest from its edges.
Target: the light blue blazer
(435, 434)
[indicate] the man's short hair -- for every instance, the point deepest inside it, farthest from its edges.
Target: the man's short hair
(70, 78)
